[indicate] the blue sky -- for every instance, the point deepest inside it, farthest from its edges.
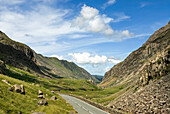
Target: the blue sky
(95, 34)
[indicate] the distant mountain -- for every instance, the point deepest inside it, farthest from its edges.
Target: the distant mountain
(21, 56)
(99, 77)
(62, 68)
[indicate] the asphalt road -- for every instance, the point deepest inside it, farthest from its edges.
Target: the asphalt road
(82, 107)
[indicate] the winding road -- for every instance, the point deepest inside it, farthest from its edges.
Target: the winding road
(82, 107)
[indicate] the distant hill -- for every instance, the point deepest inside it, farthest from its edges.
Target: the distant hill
(99, 77)
(21, 56)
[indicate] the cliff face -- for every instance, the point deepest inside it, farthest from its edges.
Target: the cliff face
(145, 64)
(145, 75)
(21, 56)
(17, 54)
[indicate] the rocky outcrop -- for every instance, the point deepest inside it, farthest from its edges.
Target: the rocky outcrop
(155, 68)
(23, 57)
(151, 99)
(53, 98)
(145, 73)
(42, 102)
(17, 54)
(41, 96)
(22, 89)
(40, 92)
(130, 68)
(11, 89)
(19, 89)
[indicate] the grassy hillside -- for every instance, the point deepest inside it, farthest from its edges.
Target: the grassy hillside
(62, 68)
(12, 102)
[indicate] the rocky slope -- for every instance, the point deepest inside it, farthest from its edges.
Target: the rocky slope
(133, 67)
(153, 98)
(21, 56)
(145, 75)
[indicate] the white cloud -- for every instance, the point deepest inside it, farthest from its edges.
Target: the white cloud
(91, 21)
(114, 61)
(108, 3)
(11, 2)
(57, 56)
(106, 69)
(144, 4)
(33, 26)
(87, 58)
(52, 35)
(120, 17)
(126, 33)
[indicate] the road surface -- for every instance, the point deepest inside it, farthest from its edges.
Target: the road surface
(82, 107)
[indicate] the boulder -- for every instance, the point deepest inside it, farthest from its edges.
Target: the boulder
(41, 96)
(53, 98)
(11, 89)
(22, 89)
(42, 102)
(17, 88)
(52, 91)
(40, 92)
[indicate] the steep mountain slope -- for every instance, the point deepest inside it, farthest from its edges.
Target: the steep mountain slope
(98, 77)
(145, 75)
(17, 54)
(21, 56)
(146, 63)
(62, 68)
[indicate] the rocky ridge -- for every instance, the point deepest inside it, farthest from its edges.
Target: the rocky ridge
(23, 57)
(130, 69)
(146, 76)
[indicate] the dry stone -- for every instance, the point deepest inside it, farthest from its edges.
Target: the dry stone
(42, 102)
(40, 92)
(53, 98)
(22, 89)
(17, 88)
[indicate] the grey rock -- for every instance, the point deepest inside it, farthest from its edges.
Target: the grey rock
(22, 89)
(40, 92)
(41, 96)
(42, 102)
(11, 89)
(53, 98)
(17, 88)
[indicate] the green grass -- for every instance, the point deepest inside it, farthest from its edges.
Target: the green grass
(80, 87)
(98, 95)
(12, 102)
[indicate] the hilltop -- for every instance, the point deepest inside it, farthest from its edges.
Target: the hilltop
(23, 57)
